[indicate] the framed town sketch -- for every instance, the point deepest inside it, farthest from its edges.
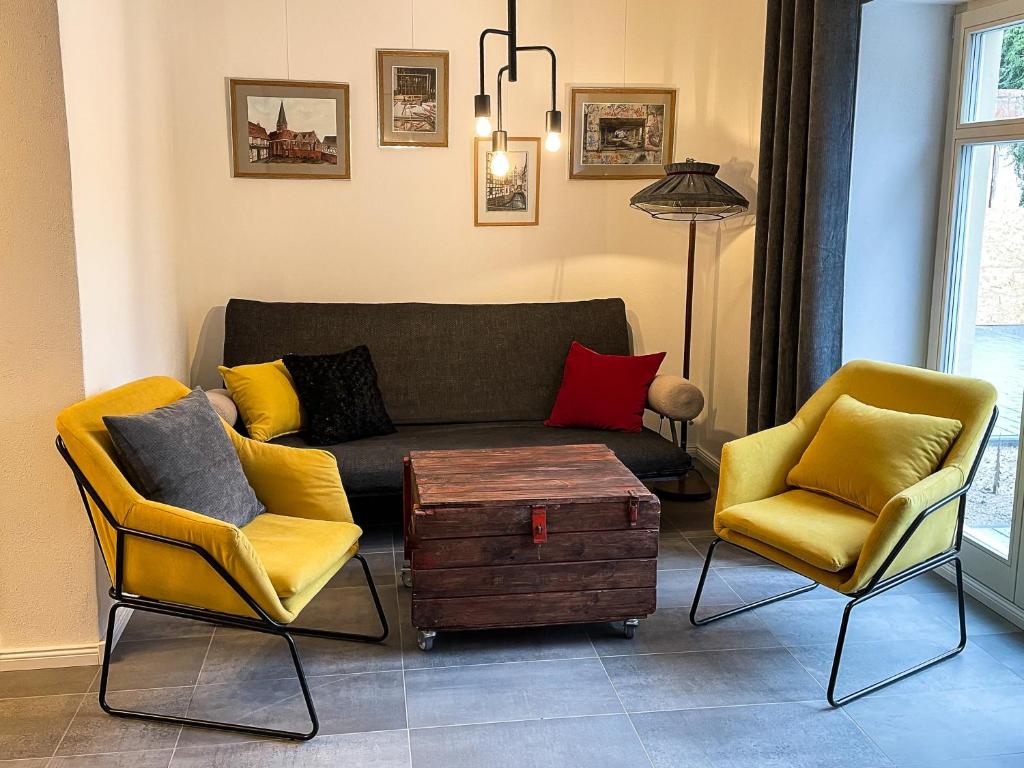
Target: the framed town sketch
(412, 98)
(621, 133)
(511, 200)
(290, 129)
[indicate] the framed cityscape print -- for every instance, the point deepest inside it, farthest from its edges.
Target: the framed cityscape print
(621, 133)
(290, 129)
(511, 199)
(412, 98)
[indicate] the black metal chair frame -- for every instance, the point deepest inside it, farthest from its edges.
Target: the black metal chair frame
(876, 586)
(262, 623)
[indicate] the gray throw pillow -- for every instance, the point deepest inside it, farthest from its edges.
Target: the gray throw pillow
(180, 455)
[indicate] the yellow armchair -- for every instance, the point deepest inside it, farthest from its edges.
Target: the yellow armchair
(833, 543)
(172, 561)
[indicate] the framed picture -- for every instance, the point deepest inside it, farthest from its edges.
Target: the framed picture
(512, 200)
(412, 98)
(290, 129)
(621, 133)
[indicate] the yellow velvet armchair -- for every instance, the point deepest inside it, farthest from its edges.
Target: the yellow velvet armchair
(837, 545)
(171, 561)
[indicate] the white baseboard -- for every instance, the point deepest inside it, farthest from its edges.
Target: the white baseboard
(708, 458)
(84, 655)
(46, 658)
(985, 596)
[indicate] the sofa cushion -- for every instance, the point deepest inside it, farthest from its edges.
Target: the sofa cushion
(179, 454)
(340, 396)
(374, 465)
(604, 391)
(266, 398)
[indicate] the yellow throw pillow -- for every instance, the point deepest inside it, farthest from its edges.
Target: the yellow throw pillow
(865, 455)
(266, 399)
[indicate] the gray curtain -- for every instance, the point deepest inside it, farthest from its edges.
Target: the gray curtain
(796, 328)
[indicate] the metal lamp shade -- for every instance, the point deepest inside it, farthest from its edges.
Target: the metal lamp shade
(690, 191)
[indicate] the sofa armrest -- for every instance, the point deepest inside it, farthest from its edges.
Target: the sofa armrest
(299, 482)
(223, 404)
(675, 397)
(755, 467)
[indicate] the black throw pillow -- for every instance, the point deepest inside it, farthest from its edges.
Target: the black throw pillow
(340, 396)
(180, 455)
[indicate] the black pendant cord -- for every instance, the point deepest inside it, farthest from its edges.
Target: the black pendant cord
(483, 37)
(513, 43)
(554, 66)
(511, 34)
(482, 100)
(500, 73)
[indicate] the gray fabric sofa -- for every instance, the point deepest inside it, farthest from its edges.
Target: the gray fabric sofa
(452, 375)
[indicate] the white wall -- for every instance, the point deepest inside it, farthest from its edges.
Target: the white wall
(122, 164)
(47, 597)
(718, 55)
(895, 187)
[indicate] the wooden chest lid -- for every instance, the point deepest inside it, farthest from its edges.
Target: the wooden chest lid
(555, 474)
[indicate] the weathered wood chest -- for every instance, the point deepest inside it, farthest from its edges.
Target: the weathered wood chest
(517, 537)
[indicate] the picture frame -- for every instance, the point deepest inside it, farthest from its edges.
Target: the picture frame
(412, 98)
(620, 132)
(515, 200)
(310, 138)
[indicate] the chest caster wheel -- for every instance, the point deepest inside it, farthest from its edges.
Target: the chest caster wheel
(425, 639)
(629, 628)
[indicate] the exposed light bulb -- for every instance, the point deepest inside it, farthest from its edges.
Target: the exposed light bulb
(483, 126)
(499, 164)
(553, 142)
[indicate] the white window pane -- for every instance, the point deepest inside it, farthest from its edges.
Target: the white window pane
(987, 320)
(994, 75)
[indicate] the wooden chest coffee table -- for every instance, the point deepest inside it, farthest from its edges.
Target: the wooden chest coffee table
(519, 537)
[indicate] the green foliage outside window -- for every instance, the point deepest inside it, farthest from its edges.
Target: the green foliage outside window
(1011, 75)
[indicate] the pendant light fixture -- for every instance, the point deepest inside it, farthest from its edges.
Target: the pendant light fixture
(482, 101)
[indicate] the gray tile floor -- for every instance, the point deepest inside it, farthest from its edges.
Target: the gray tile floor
(748, 691)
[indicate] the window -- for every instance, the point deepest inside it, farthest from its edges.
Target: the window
(994, 75)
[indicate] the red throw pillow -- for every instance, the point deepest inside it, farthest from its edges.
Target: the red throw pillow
(604, 391)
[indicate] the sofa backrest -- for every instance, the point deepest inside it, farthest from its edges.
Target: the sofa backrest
(438, 363)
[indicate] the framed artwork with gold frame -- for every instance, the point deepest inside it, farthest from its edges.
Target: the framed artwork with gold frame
(412, 98)
(621, 132)
(512, 200)
(290, 129)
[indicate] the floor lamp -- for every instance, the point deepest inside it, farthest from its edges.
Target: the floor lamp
(690, 192)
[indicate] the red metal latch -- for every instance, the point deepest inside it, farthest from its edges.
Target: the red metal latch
(540, 525)
(634, 509)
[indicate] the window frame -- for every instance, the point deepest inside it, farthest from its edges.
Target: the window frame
(959, 133)
(1003, 575)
